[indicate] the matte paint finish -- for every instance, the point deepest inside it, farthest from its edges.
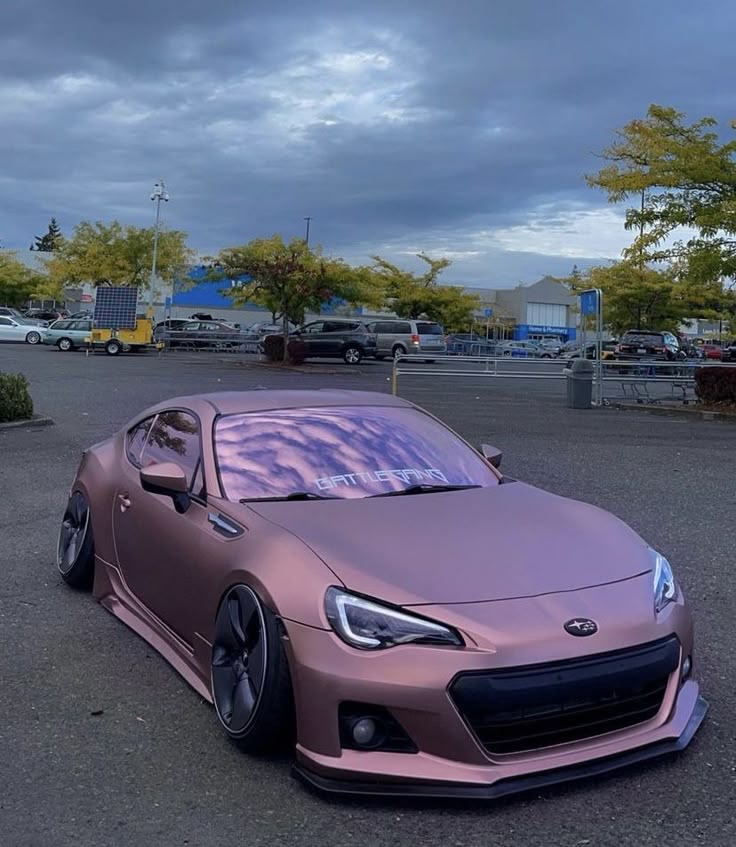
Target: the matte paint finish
(506, 566)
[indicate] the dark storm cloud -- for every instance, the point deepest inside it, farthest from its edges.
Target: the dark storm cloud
(463, 128)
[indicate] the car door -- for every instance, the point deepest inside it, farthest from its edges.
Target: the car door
(7, 329)
(335, 335)
(313, 336)
(157, 547)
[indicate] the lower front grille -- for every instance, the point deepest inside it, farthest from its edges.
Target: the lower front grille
(520, 709)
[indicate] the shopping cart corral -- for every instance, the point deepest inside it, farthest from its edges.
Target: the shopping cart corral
(649, 381)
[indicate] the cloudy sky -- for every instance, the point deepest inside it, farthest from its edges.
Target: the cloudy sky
(458, 127)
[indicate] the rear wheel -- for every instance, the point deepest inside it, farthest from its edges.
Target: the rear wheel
(65, 344)
(33, 337)
(75, 552)
(112, 348)
(398, 351)
(352, 355)
(251, 686)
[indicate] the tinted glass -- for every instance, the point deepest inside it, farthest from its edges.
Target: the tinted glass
(61, 324)
(315, 327)
(429, 329)
(381, 326)
(348, 452)
(401, 327)
(174, 438)
(5, 322)
(135, 440)
(642, 338)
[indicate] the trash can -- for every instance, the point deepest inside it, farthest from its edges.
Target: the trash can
(579, 379)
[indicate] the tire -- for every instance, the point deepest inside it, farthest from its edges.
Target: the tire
(75, 550)
(399, 350)
(352, 355)
(112, 348)
(65, 345)
(545, 356)
(33, 337)
(249, 674)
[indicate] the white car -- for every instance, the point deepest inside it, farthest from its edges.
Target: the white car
(13, 330)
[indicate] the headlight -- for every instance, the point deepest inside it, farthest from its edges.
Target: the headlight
(371, 626)
(665, 586)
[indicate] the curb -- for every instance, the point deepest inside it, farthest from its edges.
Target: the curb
(36, 420)
(651, 409)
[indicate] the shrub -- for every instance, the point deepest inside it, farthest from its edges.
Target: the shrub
(273, 349)
(15, 401)
(715, 385)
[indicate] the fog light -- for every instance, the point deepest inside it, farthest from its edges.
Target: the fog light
(364, 731)
(687, 666)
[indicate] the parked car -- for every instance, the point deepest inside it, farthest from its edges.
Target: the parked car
(647, 344)
(68, 334)
(608, 351)
(729, 352)
(201, 335)
(554, 345)
(712, 350)
(340, 571)
(349, 340)
(14, 330)
(168, 325)
(17, 315)
(523, 349)
(470, 344)
(264, 328)
(395, 337)
(48, 315)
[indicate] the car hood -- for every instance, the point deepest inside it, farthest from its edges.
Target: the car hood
(496, 543)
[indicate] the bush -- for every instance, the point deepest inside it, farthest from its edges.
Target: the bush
(273, 349)
(716, 385)
(15, 401)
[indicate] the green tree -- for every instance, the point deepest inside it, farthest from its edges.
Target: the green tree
(636, 297)
(681, 176)
(117, 254)
(413, 295)
(18, 282)
(51, 241)
(290, 278)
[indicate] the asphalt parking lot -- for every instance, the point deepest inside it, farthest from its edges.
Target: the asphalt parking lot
(101, 742)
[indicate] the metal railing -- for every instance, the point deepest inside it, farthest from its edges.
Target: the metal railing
(498, 367)
(207, 342)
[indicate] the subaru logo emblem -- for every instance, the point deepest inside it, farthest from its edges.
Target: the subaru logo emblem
(581, 626)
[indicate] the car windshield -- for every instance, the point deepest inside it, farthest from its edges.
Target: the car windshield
(642, 338)
(345, 452)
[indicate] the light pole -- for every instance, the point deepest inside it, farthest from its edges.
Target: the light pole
(159, 193)
(307, 219)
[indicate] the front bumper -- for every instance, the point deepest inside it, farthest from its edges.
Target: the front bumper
(509, 785)
(413, 683)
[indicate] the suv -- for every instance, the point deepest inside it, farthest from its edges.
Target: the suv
(346, 339)
(396, 337)
(648, 344)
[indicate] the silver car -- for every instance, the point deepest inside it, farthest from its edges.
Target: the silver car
(397, 337)
(68, 334)
(14, 330)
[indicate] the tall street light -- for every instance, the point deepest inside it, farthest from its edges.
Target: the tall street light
(159, 193)
(307, 219)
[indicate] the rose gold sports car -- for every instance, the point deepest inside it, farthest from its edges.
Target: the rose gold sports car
(341, 572)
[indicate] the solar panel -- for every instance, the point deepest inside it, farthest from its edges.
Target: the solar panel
(116, 307)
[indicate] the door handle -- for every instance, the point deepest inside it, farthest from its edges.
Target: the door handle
(124, 501)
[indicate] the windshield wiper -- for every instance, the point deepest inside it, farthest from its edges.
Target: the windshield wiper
(295, 495)
(423, 489)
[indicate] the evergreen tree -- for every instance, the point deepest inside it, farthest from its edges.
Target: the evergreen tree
(50, 241)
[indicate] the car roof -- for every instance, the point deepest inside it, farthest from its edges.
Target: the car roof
(256, 400)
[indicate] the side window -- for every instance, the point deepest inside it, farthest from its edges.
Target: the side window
(135, 439)
(315, 327)
(6, 322)
(174, 438)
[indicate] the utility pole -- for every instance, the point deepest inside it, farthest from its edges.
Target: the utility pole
(307, 219)
(159, 193)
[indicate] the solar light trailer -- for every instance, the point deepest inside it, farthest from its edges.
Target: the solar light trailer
(116, 326)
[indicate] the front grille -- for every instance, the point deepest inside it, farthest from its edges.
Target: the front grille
(526, 708)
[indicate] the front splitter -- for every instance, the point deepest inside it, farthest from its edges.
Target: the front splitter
(515, 785)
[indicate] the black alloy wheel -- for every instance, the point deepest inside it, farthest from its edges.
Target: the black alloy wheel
(75, 554)
(251, 686)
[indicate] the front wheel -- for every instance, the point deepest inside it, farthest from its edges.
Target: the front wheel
(112, 348)
(251, 685)
(65, 344)
(33, 337)
(352, 355)
(75, 551)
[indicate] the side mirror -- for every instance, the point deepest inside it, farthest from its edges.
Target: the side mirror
(492, 454)
(169, 479)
